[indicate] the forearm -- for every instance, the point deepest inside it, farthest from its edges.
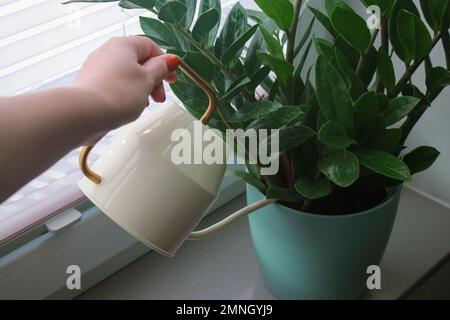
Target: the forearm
(38, 129)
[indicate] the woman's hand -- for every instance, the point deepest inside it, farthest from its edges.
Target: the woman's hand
(122, 74)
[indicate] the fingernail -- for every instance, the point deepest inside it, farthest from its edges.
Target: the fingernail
(173, 62)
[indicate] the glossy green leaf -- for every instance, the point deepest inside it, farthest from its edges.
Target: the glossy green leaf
(341, 167)
(207, 21)
(390, 142)
(324, 20)
(355, 84)
(437, 79)
(234, 27)
(386, 69)
(399, 108)
(206, 5)
(324, 47)
(234, 51)
(334, 136)
(332, 95)
(413, 34)
(253, 110)
(202, 65)
(272, 44)
(281, 11)
(282, 69)
(289, 138)
(352, 28)
(421, 159)
(393, 27)
(385, 5)
(366, 109)
(384, 164)
(158, 32)
(332, 5)
(313, 188)
(173, 12)
(252, 62)
(283, 194)
(434, 12)
(277, 119)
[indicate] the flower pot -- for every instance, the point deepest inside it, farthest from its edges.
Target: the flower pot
(311, 256)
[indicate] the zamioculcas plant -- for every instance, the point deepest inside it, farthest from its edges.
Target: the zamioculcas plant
(342, 135)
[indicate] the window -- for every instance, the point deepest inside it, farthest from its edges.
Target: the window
(42, 44)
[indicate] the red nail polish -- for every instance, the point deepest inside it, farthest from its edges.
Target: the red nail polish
(173, 62)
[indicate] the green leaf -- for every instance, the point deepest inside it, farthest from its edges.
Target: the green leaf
(332, 95)
(390, 142)
(324, 47)
(289, 138)
(357, 88)
(258, 77)
(437, 78)
(202, 65)
(234, 27)
(235, 50)
(366, 109)
(393, 27)
(206, 5)
(332, 5)
(137, 4)
(384, 164)
(173, 12)
(341, 167)
(272, 44)
(352, 28)
(434, 12)
(385, 5)
(235, 89)
(282, 69)
(253, 110)
(313, 188)
(413, 34)
(333, 136)
(250, 179)
(386, 69)
(252, 62)
(283, 194)
(158, 32)
(421, 159)
(281, 11)
(304, 38)
(324, 20)
(398, 108)
(277, 119)
(207, 21)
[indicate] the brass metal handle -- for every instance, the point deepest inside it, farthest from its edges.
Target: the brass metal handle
(212, 106)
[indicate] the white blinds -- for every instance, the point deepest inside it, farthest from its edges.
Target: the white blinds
(43, 39)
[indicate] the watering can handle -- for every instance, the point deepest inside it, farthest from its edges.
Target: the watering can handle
(212, 106)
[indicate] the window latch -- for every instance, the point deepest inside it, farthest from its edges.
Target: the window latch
(63, 220)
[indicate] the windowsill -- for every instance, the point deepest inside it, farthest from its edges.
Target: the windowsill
(224, 266)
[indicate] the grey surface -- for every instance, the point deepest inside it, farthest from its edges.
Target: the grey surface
(224, 266)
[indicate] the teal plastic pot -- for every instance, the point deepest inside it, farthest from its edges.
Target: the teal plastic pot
(309, 256)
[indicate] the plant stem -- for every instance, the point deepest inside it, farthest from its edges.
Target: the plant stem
(363, 59)
(410, 70)
(446, 45)
(292, 33)
(384, 45)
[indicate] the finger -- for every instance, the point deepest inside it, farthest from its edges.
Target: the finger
(145, 48)
(160, 67)
(158, 93)
(172, 77)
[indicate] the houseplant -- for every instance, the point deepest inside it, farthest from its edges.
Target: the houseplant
(342, 135)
